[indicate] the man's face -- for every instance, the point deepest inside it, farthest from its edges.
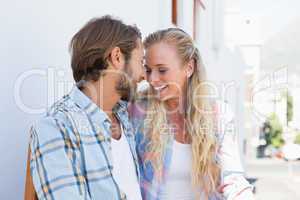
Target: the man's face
(133, 73)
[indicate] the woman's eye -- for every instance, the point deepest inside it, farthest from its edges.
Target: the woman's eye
(162, 70)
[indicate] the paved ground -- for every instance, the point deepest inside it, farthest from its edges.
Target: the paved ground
(276, 179)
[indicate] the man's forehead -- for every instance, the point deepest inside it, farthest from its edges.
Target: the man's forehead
(140, 48)
(140, 44)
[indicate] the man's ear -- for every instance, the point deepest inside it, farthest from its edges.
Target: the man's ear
(190, 67)
(117, 58)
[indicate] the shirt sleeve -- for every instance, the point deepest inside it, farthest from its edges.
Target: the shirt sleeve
(234, 185)
(53, 165)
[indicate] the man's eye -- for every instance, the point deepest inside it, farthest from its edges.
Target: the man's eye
(147, 70)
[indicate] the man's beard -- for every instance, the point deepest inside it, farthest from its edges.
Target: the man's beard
(126, 87)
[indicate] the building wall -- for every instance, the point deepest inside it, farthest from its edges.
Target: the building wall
(36, 71)
(34, 39)
(225, 67)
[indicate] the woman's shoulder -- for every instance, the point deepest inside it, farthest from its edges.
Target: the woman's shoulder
(137, 109)
(137, 114)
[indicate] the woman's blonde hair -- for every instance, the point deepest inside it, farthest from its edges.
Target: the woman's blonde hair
(199, 120)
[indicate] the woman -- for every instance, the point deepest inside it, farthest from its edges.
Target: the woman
(185, 153)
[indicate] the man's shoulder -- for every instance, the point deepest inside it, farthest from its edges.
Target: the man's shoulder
(63, 105)
(57, 120)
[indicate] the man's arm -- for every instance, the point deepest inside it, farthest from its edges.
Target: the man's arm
(54, 171)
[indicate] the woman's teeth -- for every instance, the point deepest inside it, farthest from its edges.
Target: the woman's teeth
(160, 88)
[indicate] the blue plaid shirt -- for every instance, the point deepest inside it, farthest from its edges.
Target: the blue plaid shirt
(71, 150)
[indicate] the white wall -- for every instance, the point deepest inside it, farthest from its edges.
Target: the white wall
(225, 67)
(34, 39)
(35, 35)
(185, 15)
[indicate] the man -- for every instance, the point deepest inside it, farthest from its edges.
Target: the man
(84, 147)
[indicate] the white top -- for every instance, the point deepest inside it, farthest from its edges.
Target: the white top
(178, 185)
(124, 170)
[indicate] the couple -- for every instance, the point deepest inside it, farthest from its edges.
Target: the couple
(104, 141)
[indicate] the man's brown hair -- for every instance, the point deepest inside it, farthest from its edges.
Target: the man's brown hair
(90, 47)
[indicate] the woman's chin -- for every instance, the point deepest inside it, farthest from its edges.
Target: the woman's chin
(164, 95)
(165, 98)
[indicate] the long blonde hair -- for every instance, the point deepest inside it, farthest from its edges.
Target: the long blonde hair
(200, 123)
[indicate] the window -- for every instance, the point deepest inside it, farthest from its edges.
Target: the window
(174, 12)
(198, 5)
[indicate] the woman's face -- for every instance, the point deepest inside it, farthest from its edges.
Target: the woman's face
(165, 71)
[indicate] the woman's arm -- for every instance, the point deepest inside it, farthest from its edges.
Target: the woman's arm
(233, 186)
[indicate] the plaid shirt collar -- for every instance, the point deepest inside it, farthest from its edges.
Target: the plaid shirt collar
(97, 114)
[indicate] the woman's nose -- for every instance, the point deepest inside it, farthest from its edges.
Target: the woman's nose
(153, 78)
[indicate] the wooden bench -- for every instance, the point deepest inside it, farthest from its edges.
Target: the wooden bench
(30, 193)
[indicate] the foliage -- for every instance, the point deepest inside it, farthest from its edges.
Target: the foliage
(273, 131)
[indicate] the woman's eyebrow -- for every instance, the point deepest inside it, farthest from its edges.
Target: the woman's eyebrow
(156, 65)
(160, 65)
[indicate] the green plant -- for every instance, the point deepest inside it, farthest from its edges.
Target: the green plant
(273, 131)
(297, 139)
(289, 105)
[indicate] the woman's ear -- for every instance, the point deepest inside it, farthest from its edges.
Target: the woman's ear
(117, 59)
(190, 68)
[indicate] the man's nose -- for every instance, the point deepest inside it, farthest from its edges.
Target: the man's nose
(142, 76)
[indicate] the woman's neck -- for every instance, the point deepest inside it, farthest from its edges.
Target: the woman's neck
(176, 119)
(176, 105)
